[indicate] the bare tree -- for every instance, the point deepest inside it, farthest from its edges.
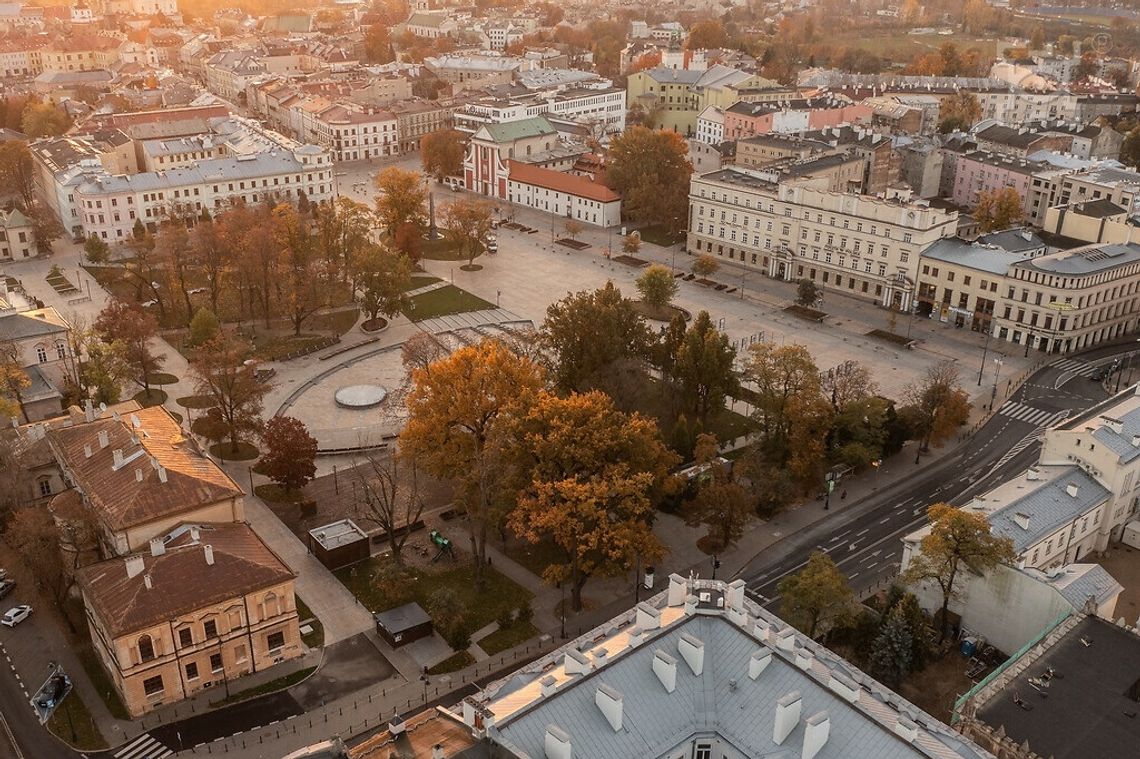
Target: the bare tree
(420, 350)
(388, 499)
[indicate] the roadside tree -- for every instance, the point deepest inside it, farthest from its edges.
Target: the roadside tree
(704, 367)
(401, 198)
(442, 153)
(650, 169)
(720, 504)
(383, 277)
(807, 293)
(936, 405)
(468, 221)
(222, 374)
(657, 286)
(818, 598)
(705, 266)
(290, 454)
(134, 329)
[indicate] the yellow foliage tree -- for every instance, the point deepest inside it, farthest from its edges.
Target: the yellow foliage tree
(463, 410)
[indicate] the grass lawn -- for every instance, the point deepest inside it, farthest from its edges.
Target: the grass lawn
(443, 249)
(508, 637)
(276, 347)
(416, 283)
(665, 314)
(334, 321)
(72, 722)
(305, 615)
(161, 378)
(274, 493)
(243, 452)
(453, 663)
(659, 235)
(445, 300)
(153, 397)
(728, 425)
(102, 682)
(536, 557)
(397, 587)
(272, 686)
(195, 401)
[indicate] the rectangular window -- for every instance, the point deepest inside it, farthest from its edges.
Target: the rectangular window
(275, 640)
(215, 662)
(152, 685)
(185, 637)
(192, 671)
(211, 628)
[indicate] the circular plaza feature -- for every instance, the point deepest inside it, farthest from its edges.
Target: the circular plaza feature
(360, 396)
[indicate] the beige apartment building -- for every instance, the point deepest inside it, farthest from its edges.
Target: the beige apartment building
(203, 606)
(137, 475)
(790, 229)
(1052, 303)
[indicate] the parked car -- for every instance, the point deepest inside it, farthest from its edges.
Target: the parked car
(6, 587)
(53, 691)
(492, 245)
(16, 615)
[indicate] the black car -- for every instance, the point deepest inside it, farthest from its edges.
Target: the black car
(6, 587)
(55, 689)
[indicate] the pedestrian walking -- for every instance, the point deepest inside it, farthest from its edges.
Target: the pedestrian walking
(843, 495)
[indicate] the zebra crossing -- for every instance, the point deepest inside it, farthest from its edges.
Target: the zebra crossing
(143, 747)
(1023, 413)
(1073, 366)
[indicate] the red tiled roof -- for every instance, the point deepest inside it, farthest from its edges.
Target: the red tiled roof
(559, 181)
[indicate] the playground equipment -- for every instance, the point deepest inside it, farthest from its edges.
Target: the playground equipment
(443, 546)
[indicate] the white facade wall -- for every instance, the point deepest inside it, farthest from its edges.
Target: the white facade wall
(563, 204)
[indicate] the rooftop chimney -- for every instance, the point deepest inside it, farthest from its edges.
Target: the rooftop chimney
(146, 582)
(575, 663)
(138, 475)
(787, 716)
(678, 588)
(608, 701)
(162, 474)
(157, 547)
(1032, 474)
(548, 685)
(601, 654)
(758, 662)
(692, 651)
(1136, 441)
(803, 659)
(815, 734)
(87, 451)
(118, 454)
(786, 639)
(556, 743)
(89, 410)
(1072, 489)
(135, 565)
(1115, 425)
(906, 729)
(194, 534)
(209, 549)
(1022, 520)
(734, 595)
(648, 617)
(843, 687)
(665, 667)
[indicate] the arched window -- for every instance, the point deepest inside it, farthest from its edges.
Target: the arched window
(61, 349)
(146, 648)
(41, 354)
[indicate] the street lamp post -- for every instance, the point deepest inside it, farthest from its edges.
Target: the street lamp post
(985, 350)
(993, 393)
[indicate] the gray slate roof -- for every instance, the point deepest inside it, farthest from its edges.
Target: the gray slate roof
(1048, 507)
(954, 250)
(723, 700)
(27, 324)
(1089, 259)
(1121, 442)
(1096, 583)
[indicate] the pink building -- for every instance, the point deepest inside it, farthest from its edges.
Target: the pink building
(985, 172)
(750, 119)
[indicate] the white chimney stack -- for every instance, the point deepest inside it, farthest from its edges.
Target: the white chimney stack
(906, 729)
(693, 652)
(89, 410)
(803, 659)
(648, 617)
(787, 716)
(678, 589)
(556, 743)
(575, 663)
(665, 667)
(104, 439)
(734, 595)
(786, 639)
(138, 475)
(843, 687)
(1022, 520)
(209, 549)
(194, 534)
(1072, 489)
(608, 701)
(87, 451)
(162, 474)
(548, 685)
(601, 655)
(135, 565)
(146, 582)
(758, 662)
(118, 454)
(1136, 441)
(157, 547)
(815, 734)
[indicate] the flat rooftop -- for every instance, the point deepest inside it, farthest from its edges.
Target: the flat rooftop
(1093, 700)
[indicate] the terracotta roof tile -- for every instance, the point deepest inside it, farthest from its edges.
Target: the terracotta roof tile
(134, 493)
(561, 182)
(181, 580)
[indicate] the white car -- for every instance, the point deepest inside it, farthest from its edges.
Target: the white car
(15, 615)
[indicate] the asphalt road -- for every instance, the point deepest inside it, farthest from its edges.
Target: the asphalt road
(865, 538)
(32, 739)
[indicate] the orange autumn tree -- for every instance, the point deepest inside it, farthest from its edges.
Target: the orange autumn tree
(463, 411)
(591, 476)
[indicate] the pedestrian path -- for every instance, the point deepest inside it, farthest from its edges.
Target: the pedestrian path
(426, 288)
(470, 319)
(1072, 365)
(1023, 413)
(143, 747)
